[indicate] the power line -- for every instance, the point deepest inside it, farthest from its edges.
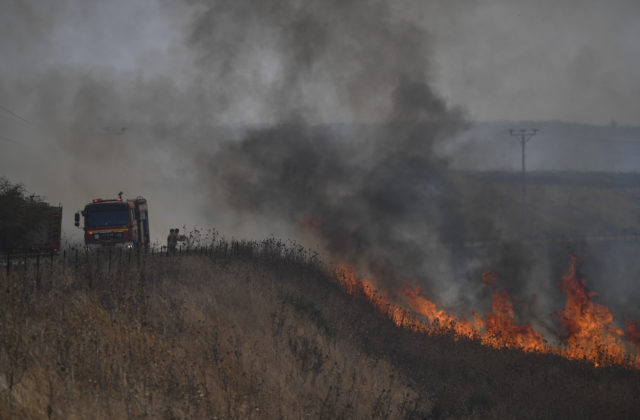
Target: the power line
(524, 136)
(8, 139)
(13, 114)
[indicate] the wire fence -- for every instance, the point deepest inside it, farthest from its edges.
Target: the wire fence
(75, 256)
(85, 266)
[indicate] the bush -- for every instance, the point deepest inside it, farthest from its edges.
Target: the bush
(20, 215)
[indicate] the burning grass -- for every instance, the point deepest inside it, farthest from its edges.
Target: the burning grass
(590, 332)
(263, 330)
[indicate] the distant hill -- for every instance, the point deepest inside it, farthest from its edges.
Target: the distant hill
(558, 146)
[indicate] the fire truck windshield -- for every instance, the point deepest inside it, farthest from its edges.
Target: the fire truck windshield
(106, 215)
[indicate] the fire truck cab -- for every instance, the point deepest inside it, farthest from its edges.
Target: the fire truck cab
(116, 222)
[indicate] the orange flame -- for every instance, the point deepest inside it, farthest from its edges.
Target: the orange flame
(503, 331)
(590, 332)
(365, 289)
(440, 320)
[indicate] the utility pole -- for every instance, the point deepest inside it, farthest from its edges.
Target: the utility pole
(524, 136)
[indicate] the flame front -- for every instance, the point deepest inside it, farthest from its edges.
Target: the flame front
(590, 333)
(440, 320)
(503, 331)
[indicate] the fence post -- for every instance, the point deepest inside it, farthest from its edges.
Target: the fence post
(109, 260)
(38, 271)
(51, 270)
(88, 269)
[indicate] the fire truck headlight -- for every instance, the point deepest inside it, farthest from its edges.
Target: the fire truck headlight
(96, 236)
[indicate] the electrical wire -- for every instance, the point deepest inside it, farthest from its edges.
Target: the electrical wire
(13, 114)
(7, 139)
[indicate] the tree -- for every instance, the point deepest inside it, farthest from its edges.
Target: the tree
(20, 215)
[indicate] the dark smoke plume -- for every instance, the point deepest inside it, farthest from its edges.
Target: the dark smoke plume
(375, 194)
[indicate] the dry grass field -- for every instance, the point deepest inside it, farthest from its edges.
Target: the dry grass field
(258, 330)
(571, 205)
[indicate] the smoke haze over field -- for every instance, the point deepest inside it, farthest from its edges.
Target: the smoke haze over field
(373, 198)
(330, 122)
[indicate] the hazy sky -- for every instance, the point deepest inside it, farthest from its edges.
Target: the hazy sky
(572, 60)
(575, 61)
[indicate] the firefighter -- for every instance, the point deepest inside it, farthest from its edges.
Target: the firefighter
(178, 237)
(171, 241)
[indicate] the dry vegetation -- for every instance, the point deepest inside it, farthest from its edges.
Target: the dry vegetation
(571, 205)
(257, 330)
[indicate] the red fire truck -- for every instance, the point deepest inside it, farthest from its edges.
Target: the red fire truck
(116, 222)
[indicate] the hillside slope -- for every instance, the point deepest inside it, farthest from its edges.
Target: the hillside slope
(258, 331)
